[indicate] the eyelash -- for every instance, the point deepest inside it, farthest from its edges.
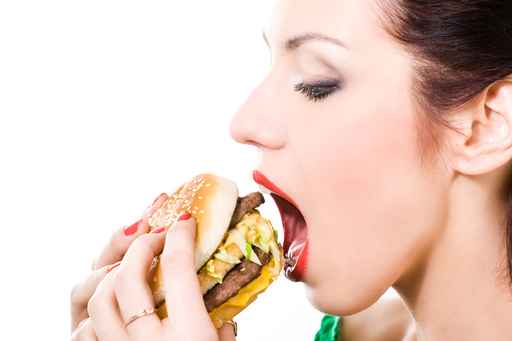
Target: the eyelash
(319, 90)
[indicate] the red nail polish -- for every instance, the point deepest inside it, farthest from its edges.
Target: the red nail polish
(158, 230)
(184, 216)
(129, 230)
(113, 266)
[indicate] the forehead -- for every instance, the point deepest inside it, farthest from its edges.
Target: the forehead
(355, 22)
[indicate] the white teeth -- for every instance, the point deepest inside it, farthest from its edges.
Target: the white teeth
(265, 190)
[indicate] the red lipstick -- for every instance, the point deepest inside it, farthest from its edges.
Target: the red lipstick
(295, 229)
(261, 179)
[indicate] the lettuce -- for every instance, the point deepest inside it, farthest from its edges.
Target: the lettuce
(210, 270)
(226, 257)
(251, 255)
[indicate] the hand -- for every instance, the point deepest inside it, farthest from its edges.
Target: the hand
(100, 304)
(109, 258)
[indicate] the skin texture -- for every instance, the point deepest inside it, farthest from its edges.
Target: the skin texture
(377, 216)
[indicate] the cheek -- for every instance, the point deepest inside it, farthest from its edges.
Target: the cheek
(353, 152)
(368, 203)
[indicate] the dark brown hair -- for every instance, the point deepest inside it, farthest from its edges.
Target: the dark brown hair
(460, 47)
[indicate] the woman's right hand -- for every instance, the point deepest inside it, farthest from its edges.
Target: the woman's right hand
(109, 258)
(82, 328)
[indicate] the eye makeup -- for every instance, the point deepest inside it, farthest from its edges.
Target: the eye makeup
(318, 90)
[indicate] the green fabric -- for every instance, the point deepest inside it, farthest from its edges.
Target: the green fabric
(329, 329)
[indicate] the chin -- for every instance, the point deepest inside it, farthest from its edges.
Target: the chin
(336, 301)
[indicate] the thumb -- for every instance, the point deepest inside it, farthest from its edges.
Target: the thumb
(184, 301)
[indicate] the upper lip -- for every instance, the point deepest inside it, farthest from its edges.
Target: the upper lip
(261, 179)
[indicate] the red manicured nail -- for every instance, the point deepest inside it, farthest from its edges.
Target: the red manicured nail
(113, 266)
(129, 230)
(158, 230)
(184, 216)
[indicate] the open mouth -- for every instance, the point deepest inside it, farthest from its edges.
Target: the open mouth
(295, 238)
(295, 229)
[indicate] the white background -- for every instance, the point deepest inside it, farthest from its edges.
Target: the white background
(104, 105)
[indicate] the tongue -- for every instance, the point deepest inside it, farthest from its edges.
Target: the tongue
(295, 232)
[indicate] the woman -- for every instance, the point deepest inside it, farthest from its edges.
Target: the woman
(389, 123)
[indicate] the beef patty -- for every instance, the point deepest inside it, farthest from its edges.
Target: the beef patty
(244, 205)
(237, 278)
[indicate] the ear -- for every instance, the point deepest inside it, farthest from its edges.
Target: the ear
(485, 139)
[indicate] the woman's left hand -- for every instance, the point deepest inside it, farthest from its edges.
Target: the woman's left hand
(125, 292)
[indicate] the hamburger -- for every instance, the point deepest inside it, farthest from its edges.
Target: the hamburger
(237, 255)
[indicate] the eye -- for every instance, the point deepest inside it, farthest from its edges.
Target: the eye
(318, 90)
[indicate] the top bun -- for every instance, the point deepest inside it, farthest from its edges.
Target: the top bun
(211, 200)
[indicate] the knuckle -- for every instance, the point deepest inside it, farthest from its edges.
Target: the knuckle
(116, 245)
(121, 280)
(177, 258)
(142, 245)
(95, 301)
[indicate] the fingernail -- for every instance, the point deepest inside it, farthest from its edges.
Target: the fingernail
(184, 216)
(157, 203)
(129, 230)
(159, 230)
(113, 266)
(160, 197)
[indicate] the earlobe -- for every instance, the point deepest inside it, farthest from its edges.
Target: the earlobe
(486, 141)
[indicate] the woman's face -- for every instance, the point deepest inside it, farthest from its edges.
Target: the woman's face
(350, 160)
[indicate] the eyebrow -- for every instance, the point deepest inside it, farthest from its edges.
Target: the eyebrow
(295, 42)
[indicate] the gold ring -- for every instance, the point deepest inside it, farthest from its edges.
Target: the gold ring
(235, 326)
(143, 313)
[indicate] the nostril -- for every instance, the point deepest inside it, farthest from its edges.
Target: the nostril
(240, 131)
(243, 136)
(254, 143)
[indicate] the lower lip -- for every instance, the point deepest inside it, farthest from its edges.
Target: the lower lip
(295, 243)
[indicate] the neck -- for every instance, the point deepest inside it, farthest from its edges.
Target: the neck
(459, 289)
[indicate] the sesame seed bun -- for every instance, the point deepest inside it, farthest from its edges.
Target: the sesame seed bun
(211, 200)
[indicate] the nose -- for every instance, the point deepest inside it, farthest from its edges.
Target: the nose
(258, 121)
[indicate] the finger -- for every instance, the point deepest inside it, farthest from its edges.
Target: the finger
(104, 312)
(132, 290)
(184, 302)
(119, 242)
(82, 293)
(227, 332)
(84, 332)
(124, 237)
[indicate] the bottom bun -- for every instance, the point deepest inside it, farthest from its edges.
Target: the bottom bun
(237, 303)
